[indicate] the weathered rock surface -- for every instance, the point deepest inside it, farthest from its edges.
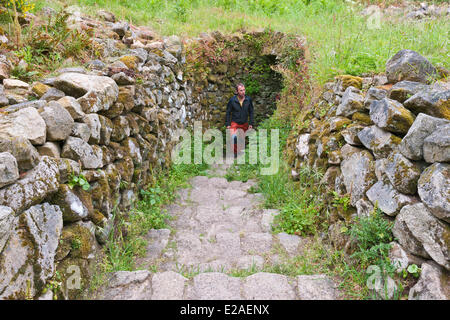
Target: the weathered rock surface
(436, 147)
(73, 209)
(403, 90)
(379, 141)
(359, 174)
(267, 286)
(409, 65)
(33, 188)
(82, 131)
(95, 93)
(402, 173)
(316, 287)
(77, 149)
(434, 190)
(433, 284)
(129, 285)
(390, 115)
(412, 144)
(429, 231)
(372, 95)
(351, 103)
(44, 223)
(434, 102)
(26, 123)
(9, 172)
(50, 149)
(58, 120)
(7, 225)
(72, 106)
(25, 153)
(389, 200)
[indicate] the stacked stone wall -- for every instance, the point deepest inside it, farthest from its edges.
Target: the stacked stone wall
(384, 142)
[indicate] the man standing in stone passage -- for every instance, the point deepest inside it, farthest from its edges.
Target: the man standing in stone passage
(239, 109)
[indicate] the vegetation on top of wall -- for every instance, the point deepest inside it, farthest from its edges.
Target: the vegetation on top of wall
(340, 39)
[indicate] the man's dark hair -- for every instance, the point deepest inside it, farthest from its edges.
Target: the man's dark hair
(240, 84)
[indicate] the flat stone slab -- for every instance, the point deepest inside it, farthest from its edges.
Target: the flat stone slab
(316, 287)
(289, 242)
(215, 286)
(267, 286)
(127, 285)
(168, 285)
(256, 242)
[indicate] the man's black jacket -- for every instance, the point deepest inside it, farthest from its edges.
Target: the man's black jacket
(237, 113)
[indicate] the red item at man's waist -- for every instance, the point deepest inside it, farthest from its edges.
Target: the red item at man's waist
(234, 126)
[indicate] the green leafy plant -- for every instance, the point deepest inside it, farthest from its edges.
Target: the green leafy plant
(78, 180)
(412, 269)
(76, 244)
(340, 201)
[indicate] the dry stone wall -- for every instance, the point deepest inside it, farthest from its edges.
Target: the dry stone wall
(385, 142)
(110, 122)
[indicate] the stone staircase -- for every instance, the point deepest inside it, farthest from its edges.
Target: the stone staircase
(218, 229)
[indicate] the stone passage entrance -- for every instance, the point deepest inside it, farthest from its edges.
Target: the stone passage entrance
(216, 63)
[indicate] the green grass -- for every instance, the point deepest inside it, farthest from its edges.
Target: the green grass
(338, 38)
(147, 213)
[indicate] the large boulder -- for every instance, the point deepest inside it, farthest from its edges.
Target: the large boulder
(77, 149)
(379, 141)
(434, 102)
(358, 171)
(402, 173)
(94, 93)
(9, 171)
(390, 115)
(409, 65)
(58, 120)
(26, 123)
(430, 232)
(389, 200)
(433, 284)
(434, 189)
(436, 147)
(412, 144)
(38, 184)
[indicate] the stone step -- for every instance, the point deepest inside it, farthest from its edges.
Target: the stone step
(144, 285)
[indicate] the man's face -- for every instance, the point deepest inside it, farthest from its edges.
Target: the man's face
(241, 91)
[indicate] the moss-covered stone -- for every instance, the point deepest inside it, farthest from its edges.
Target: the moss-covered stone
(350, 81)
